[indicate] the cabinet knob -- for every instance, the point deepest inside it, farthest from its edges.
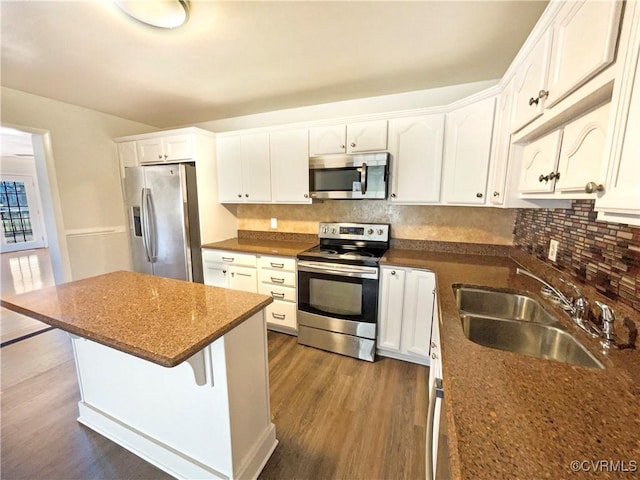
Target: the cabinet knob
(434, 356)
(306, 195)
(433, 345)
(593, 187)
(543, 178)
(246, 195)
(239, 195)
(353, 144)
(393, 195)
(496, 194)
(555, 175)
(393, 272)
(166, 156)
(543, 93)
(224, 272)
(533, 101)
(342, 147)
(159, 157)
(479, 195)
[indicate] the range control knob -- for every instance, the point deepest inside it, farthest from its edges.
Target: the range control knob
(370, 231)
(324, 229)
(380, 231)
(333, 229)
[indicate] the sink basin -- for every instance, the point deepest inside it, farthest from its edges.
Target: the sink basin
(517, 323)
(542, 341)
(494, 304)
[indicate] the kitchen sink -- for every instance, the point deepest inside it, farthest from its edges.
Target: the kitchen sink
(517, 323)
(504, 305)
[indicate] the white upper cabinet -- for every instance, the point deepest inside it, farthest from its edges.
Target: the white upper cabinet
(128, 155)
(582, 155)
(501, 146)
(351, 138)
(244, 169)
(467, 150)
(584, 43)
(621, 200)
(539, 161)
(290, 166)
(415, 144)
(170, 148)
(530, 83)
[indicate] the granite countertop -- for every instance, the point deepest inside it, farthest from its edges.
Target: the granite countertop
(265, 247)
(158, 319)
(515, 416)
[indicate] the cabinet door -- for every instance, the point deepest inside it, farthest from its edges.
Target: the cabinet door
(290, 166)
(391, 303)
(467, 150)
(621, 201)
(582, 152)
(415, 144)
(367, 136)
(150, 150)
(216, 274)
(229, 158)
(128, 155)
(178, 147)
(584, 43)
(243, 278)
(530, 80)
(501, 146)
(256, 168)
(417, 315)
(327, 140)
(539, 159)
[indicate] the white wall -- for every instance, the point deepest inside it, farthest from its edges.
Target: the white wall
(362, 106)
(87, 175)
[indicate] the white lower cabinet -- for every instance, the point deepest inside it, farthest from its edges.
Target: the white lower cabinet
(405, 313)
(230, 270)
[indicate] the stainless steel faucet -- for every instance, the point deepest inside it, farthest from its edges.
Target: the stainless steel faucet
(577, 307)
(608, 318)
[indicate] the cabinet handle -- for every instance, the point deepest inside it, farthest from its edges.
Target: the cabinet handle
(277, 280)
(543, 178)
(277, 295)
(228, 259)
(277, 265)
(279, 316)
(541, 94)
(593, 187)
(393, 195)
(479, 195)
(243, 274)
(496, 194)
(353, 144)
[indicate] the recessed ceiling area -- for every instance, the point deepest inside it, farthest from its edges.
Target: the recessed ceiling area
(235, 58)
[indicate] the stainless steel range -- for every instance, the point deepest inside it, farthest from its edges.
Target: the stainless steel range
(338, 289)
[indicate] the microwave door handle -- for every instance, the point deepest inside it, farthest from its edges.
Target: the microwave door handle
(363, 178)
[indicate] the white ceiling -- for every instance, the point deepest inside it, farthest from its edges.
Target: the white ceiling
(236, 58)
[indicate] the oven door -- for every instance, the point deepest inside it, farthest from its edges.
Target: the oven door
(337, 297)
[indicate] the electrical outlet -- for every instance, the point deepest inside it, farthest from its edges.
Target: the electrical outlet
(274, 223)
(553, 250)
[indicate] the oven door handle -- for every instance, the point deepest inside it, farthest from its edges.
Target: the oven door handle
(369, 273)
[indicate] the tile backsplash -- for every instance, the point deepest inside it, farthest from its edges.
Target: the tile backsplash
(412, 222)
(605, 255)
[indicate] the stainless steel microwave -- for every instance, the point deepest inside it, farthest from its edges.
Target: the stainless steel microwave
(361, 176)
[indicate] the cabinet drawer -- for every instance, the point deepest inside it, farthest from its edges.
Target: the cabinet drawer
(231, 258)
(278, 292)
(287, 279)
(282, 314)
(278, 263)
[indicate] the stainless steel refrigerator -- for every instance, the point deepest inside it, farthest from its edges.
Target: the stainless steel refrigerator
(164, 229)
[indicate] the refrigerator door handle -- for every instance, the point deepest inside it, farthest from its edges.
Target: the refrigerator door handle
(145, 225)
(153, 231)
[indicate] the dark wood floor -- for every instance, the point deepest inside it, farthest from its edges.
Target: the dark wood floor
(335, 417)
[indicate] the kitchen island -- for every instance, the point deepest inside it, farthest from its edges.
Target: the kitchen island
(175, 372)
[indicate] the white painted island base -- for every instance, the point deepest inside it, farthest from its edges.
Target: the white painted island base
(208, 417)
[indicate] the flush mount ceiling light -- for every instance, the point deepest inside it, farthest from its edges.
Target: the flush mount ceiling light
(157, 13)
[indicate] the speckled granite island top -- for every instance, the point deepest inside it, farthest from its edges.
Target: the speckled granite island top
(158, 319)
(518, 417)
(265, 247)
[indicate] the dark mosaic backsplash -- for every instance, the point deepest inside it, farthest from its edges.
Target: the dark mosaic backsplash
(605, 255)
